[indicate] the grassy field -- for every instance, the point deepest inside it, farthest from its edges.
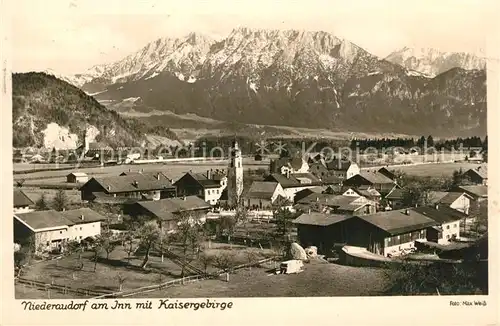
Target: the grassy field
(319, 279)
(65, 271)
(172, 170)
(35, 193)
(435, 170)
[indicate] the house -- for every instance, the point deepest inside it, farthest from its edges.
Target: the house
(478, 193)
(284, 165)
(378, 181)
(387, 233)
(395, 198)
(322, 230)
(334, 171)
(22, 202)
(346, 205)
(52, 229)
(448, 222)
(459, 201)
(77, 177)
(308, 191)
(387, 173)
(293, 183)
(209, 186)
(168, 211)
(137, 186)
(365, 191)
(478, 176)
(263, 194)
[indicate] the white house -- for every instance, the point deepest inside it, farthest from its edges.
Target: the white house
(263, 194)
(22, 203)
(293, 183)
(52, 229)
(459, 201)
(448, 221)
(77, 177)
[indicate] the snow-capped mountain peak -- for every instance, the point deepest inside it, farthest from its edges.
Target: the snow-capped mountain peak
(432, 62)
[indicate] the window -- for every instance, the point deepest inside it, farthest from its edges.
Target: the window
(80, 228)
(455, 225)
(48, 243)
(81, 237)
(448, 227)
(93, 225)
(217, 191)
(60, 232)
(447, 236)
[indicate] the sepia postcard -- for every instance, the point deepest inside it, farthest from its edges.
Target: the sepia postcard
(249, 162)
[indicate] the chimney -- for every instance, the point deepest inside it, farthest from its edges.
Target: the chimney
(136, 184)
(317, 198)
(309, 211)
(407, 211)
(209, 175)
(142, 170)
(108, 187)
(129, 170)
(82, 217)
(437, 206)
(158, 176)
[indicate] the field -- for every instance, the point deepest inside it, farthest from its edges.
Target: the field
(319, 279)
(34, 194)
(172, 170)
(435, 169)
(65, 271)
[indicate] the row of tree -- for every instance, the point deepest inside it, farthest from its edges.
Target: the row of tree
(428, 141)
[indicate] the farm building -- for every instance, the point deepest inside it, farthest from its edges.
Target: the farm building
(77, 177)
(448, 222)
(478, 176)
(209, 185)
(378, 181)
(263, 194)
(22, 202)
(345, 205)
(51, 229)
(459, 201)
(168, 211)
(135, 186)
(334, 171)
(293, 183)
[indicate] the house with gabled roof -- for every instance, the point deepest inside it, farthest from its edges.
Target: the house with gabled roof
(52, 229)
(263, 195)
(136, 186)
(378, 181)
(167, 212)
(478, 193)
(338, 204)
(22, 203)
(448, 222)
(77, 177)
(457, 200)
(208, 186)
(293, 183)
(334, 171)
(478, 176)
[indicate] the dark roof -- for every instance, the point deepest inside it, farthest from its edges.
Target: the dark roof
(127, 183)
(77, 174)
(396, 193)
(261, 189)
(477, 191)
(451, 197)
(44, 219)
(75, 216)
(20, 199)
(293, 162)
(375, 177)
(320, 219)
(155, 175)
(397, 222)
(436, 196)
(165, 208)
(366, 191)
(338, 165)
(327, 199)
(202, 180)
(352, 207)
(294, 180)
(481, 171)
(441, 215)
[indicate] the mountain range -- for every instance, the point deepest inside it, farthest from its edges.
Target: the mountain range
(295, 78)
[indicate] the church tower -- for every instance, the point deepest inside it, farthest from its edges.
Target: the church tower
(235, 176)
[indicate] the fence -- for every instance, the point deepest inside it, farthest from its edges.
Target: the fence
(59, 288)
(182, 281)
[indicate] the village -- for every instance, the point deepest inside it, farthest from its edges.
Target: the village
(302, 222)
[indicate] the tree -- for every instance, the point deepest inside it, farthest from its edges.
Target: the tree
(107, 243)
(42, 204)
(224, 261)
(430, 141)
(283, 218)
(188, 234)
(60, 201)
(418, 193)
(251, 257)
(96, 249)
(228, 226)
(75, 247)
(121, 280)
(149, 234)
(206, 260)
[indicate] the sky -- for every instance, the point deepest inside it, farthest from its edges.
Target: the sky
(71, 36)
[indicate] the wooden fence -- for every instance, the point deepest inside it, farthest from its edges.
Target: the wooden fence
(59, 288)
(182, 281)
